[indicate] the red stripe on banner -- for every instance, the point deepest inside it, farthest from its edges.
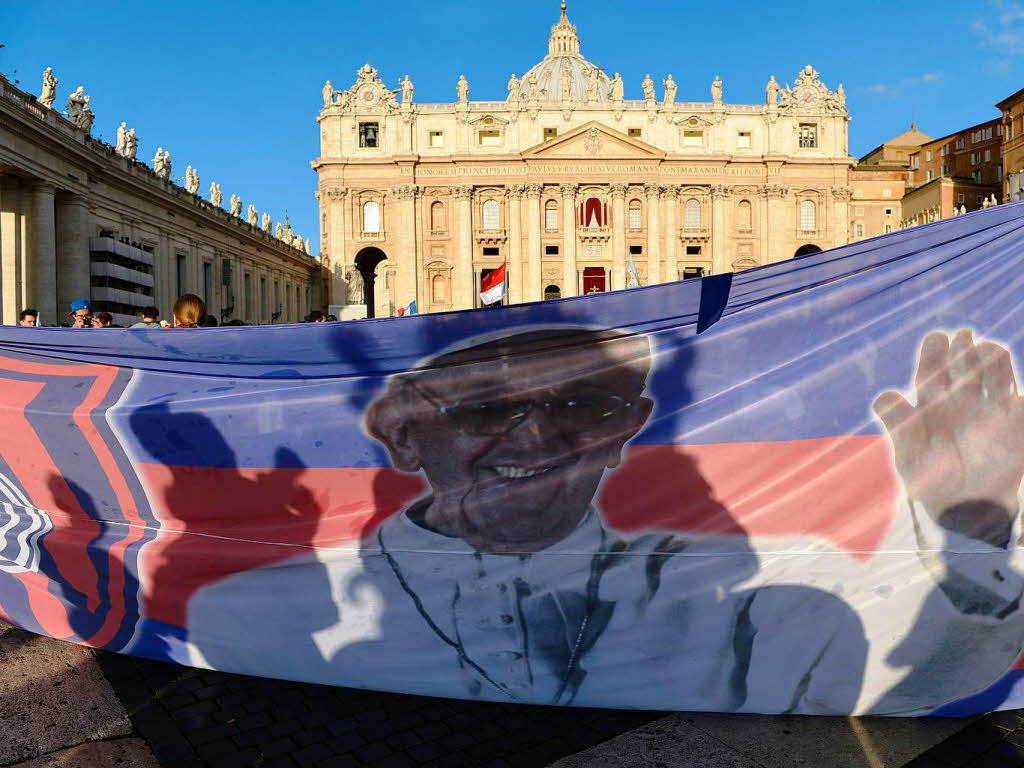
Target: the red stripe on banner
(218, 521)
(50, 369)
(841, 488)
(48, 609)
(47, 490)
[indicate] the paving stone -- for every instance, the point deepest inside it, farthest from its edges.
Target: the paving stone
(119, 753)
(311, 755)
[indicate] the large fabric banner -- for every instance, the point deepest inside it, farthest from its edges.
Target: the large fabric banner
(795, 489)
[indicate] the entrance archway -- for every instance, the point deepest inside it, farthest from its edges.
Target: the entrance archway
(366, 262)
(805, 250)
(593, 280)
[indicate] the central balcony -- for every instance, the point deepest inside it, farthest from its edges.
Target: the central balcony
(594, 234)
(490, 236)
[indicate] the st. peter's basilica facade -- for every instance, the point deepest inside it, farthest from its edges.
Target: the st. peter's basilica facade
(567, 182)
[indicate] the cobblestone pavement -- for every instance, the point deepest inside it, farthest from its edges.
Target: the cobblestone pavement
(194, 718)
(993, 741)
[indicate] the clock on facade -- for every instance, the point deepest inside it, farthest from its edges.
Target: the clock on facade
(807, 96)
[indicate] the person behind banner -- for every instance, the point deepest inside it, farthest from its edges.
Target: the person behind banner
(189, 311)
(81, 314)
(504, 583)
(28, 318)
(150, 318)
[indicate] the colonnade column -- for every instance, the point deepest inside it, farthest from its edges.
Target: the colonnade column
(72, 215)
(570, 278)
(465, 285)
(719, 257)
(337, 199)
(10, 249)
(764, 227)
(405, 268)
(671, 198)
(840, 216)
(515, 243)
(619, 256)
(533, 290)
(654, 253)
(43, 289)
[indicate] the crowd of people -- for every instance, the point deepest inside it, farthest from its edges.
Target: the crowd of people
(189, 312)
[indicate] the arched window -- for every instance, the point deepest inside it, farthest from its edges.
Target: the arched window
(551, 215)
(744, 220)
(439, 289)
(552, 292)
(371, 216)
(808, 216)
(438, 222)
(635, 215)
(491, 217)
(692, 214)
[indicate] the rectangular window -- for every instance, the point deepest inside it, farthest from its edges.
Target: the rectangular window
(693, 250)
(181, 275)
(988, 155)
(635, 218)
(550, 250)
(860, 230)
(929, 174)
(492, 251)
(743, 140)
(915, 163)
(808, 136)
(960, 143)
(436, 139)
(635, 133)
(979, 200)
(888, 211)
(945, 170)
(974, 158)
(927, 155)
(369, 135)
(976, 175)
(960, 197)
(550, 133)
(636, 250)
(489, 138)
(693, 138)
(999, 173)
(689, 273)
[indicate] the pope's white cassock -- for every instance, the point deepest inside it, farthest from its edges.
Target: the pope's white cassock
(660, 621)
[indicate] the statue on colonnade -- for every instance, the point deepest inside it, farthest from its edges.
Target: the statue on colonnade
(49, 92)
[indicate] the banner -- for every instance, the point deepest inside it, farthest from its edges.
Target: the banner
(809, 506)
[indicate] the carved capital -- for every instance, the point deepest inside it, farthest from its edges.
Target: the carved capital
(842, 194)
(336, 193)
(670, 191)
(775, 192)
(406, 192)
(619, 189)
(652, 190)
(462, 192)
(515, 191)
(534, 191)
(568, 190)
(721, 191)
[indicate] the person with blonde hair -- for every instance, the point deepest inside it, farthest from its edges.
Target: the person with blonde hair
(189, 311)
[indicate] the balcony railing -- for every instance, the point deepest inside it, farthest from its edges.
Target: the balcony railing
(594, 234)
(694, 233)
(376, 236)
(490, 235)
(110, 245)
(105, 269)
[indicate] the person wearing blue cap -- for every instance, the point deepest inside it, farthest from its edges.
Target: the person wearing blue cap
(81, 314)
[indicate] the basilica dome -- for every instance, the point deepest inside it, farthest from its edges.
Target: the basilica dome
(564, 60)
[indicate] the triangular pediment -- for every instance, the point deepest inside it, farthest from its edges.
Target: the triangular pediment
(594, 141)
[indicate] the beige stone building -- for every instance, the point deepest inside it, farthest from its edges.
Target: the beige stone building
(565, 181)
(79, 218)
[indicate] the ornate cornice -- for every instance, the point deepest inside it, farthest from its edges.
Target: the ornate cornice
(463, 192)
(515, 191)
(568, 190)
(534, 191)
(842, 194)
(775, 191)
(618, 189)
(406, 192)
(336, 193)
(721, 190)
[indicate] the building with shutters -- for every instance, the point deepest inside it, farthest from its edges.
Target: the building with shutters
(565, 180)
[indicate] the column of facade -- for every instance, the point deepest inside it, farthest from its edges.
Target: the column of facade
(619, 256)
(719, 257)
(533, 290)
(777, 250)
(569, 275)
(465, 283)
(10, 245)
(405, 269)
(337, 200)
(654, 253)
(841, 216)
(671, 198)
(515, 243)
(43, 294)
(764, 227)
(72, 232)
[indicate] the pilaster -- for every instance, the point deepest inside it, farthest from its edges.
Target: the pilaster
(533, 290)
(515, 243)
(465, 284)
(654, 254)
(569, 273)
(619, 256)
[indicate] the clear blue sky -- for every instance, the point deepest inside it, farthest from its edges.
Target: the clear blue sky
(234, 89)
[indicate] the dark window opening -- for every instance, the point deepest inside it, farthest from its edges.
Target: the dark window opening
(550, 250)
(552, 292)
(691, 272)
(636, 250)
(368, 133)
(693, 250)
(492, 251)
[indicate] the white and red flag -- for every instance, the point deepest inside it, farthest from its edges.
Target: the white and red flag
(492, 287)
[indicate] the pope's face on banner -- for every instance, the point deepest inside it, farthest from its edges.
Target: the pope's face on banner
(515, 435)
